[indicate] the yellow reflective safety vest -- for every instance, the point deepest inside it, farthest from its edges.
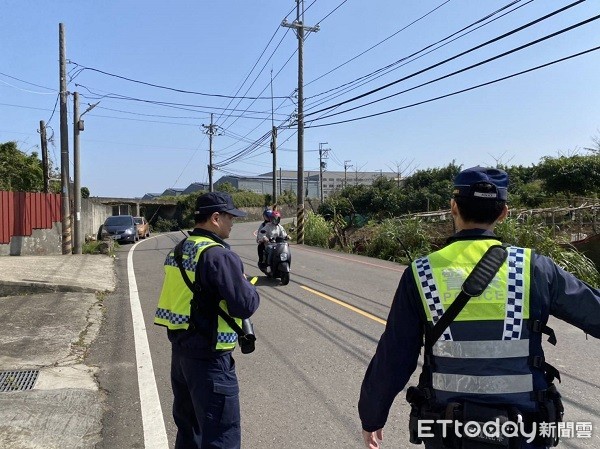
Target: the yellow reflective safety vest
(484, 354)
(174, 304)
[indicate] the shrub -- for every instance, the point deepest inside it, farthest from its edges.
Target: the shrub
(399, 241)
(100, 247)
(316, 230)
(164, 225)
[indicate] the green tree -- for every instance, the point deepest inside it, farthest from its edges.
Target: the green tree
(19, 171)
(573, 175)
(226, 187)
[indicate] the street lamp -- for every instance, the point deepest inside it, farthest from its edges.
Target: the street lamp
(77, 127)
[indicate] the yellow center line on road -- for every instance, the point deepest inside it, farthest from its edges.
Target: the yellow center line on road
(343, 304)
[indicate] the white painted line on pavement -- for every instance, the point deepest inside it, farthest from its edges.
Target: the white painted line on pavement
(155, 433)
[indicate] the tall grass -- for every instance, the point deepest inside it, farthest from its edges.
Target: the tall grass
(532, 233)
(398, 240)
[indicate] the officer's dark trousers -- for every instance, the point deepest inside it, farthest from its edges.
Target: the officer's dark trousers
(206, 405)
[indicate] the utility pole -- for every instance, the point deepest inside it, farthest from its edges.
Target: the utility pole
(273, 144)
(346, 167)
(322, 165)
(44, 146)
(64, 143)
(77, 127)
(274, 151)
(299, 27)
(307, 183)
(280, 181)
(210, 130)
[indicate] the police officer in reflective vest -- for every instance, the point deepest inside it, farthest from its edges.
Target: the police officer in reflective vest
(206, 405)
(487, 367)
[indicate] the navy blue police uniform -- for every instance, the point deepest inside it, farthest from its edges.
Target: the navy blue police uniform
(553, 291)
(206, 405)
(202, 378)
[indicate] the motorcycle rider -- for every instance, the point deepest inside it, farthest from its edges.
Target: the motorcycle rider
(267, 232)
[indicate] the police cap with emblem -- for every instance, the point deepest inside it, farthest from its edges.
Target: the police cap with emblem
(482, 183)
(217, 202)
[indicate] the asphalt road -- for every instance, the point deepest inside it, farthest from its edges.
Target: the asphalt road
(300, 388)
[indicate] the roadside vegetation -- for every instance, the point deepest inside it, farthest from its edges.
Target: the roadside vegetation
(402, 219)
(107, 247)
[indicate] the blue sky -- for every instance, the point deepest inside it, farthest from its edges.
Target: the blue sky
(230, 49)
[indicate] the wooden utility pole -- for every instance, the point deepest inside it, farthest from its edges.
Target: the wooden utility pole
(76, 180)
(274, 151)
(77, 128)
(322, 165)
(210, 130)
(280, 181)
(44, 146)
(298, 26)
(64, 143)
(273, 144)
(346, 167)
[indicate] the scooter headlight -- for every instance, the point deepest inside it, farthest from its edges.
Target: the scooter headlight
(283, 257)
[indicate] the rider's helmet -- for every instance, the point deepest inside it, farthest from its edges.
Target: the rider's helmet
(275, 217)
(267, 213)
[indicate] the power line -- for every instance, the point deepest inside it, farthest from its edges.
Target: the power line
(373, 46)
(516, 30)
(355, 84)
(158, 86)
(255, 79)
(460, 91)
(486, 61)
(173, 105)
(334, 10)
(27, 82)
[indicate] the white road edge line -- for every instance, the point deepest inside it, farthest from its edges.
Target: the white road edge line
(155, 433)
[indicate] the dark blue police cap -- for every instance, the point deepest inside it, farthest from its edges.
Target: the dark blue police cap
(217, 202)
(475, 182)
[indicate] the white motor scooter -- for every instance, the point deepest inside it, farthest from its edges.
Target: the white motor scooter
(279, 260)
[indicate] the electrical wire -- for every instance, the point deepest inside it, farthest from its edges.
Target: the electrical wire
(375, 46)
(179, 106)
(27, 82)
(459, 91)
(158, 86)
(355, 84)
(496, 39)
(334, 10)
(486, 61)
(255, 79)
(246, 151)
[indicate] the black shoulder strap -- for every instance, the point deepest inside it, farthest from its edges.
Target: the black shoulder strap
(178, 255)
(474, 285)
(196, 288)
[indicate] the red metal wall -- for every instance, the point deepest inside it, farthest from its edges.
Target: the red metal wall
(22, 212)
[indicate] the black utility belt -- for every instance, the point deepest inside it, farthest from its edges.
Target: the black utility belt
(471, 425)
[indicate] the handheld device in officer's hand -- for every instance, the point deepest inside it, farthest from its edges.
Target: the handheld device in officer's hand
(247, 340)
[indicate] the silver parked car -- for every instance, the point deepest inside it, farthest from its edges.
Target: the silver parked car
(121, 228)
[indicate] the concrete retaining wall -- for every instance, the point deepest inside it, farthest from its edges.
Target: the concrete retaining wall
(41, 242)
(49, 241)
(92, 216)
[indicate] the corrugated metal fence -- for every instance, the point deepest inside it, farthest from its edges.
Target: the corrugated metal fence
(22, 212)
